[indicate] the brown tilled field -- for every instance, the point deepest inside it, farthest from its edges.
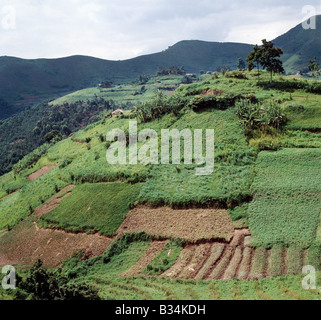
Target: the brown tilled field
(193, 225)
(26, 243)
(224, 261)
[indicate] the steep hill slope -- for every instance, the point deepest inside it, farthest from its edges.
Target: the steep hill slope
(300, 45)
(256, 216)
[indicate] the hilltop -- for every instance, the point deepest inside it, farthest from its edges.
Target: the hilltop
(24, 82)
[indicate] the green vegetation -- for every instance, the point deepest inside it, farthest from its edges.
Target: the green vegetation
(43, 284)
(268, 57)
(33, 194)
(286, 206)
(165, 259)
(267, 174)
(104, 277)
(36, 123)
(93, 207)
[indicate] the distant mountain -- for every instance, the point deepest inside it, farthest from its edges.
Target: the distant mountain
(24, 82)
(300, 45)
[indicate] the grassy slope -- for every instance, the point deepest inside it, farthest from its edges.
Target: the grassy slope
(69, 114)
(94, 207)
(232, 178)
(105, 277)
(286, 206)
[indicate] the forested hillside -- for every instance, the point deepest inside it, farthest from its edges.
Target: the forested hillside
(24, 82)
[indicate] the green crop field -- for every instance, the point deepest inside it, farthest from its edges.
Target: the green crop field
(20, 205)
(286, 206)
(93, 207)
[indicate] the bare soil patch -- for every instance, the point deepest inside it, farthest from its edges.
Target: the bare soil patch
(212, 92)
(200, 256)
(26, 243)
(183, 260)
(40, 172)
(192, 225)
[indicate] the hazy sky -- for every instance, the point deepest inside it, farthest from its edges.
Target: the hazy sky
(122, 29)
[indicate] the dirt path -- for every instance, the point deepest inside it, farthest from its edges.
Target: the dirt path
(199, 257)
(53, 202)
(41, 172)
(154, 249)
(9, 195)
(184, 258)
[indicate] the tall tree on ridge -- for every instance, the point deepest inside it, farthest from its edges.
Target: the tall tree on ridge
(254, 58)
(270, 59)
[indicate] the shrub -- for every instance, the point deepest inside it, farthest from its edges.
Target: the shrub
(236, 74)
(121, 244)
(31, 158)
(160, 105)
(256, 116)
(295, 107)
(199, 103)
(45, 284)
(267, 143)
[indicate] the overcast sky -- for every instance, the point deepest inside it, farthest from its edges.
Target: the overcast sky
(122, 29)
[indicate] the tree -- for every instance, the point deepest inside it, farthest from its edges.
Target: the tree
(267, 56)
(44, 284)
(315, 67)
(55, 134)
(270, 59)
(254, 58)
(240, 63)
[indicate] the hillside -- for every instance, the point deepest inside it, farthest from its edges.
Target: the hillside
(151, 231)
(299, 46)
(25, 131)
(25, 82)
(28, 81)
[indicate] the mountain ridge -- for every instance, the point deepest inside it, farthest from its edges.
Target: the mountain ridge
(28, 81)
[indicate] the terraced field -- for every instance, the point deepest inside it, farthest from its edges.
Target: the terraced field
(244, 232)
(225, 261)
(192, 225)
